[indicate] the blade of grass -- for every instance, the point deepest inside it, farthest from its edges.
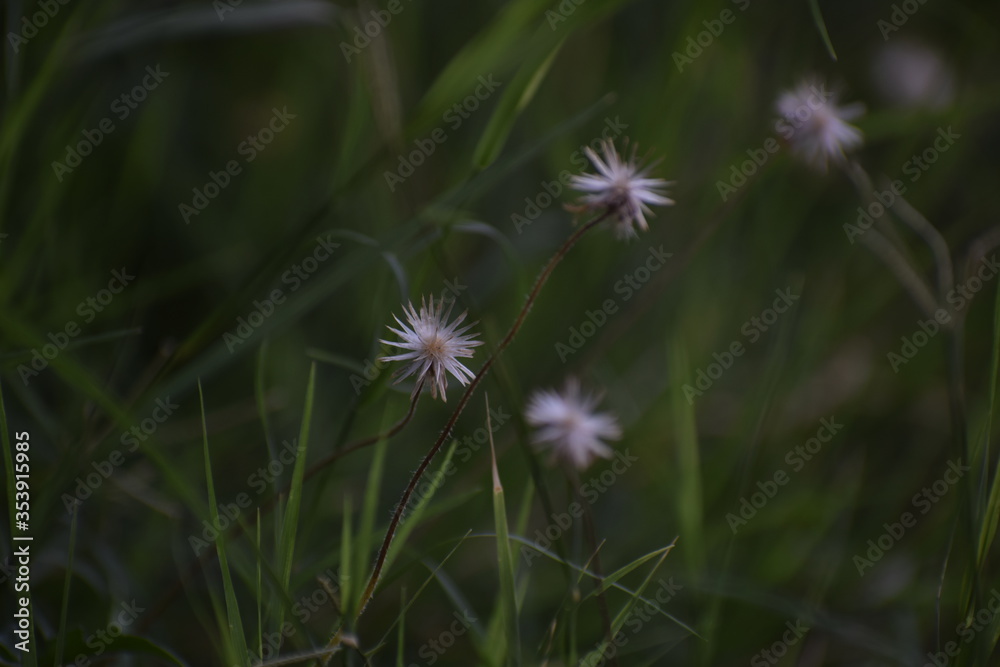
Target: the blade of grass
(621, 572)
(989, 526)
(260, 591)
(689, 495)
(239, 642)
(821, 26)
(290, 520)
(369, 509)
(505, 559)
(346, 560)
(623, 615)
(515, 98)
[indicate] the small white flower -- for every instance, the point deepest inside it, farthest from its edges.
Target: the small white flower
(815, 126)
(568, 423)
(434, 346)
(623, 187)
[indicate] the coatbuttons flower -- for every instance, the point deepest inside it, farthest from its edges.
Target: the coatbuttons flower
(567, 424)
(433, 346)
(622, 187)
(815, 127)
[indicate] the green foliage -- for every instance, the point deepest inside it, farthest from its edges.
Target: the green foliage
(288, 275)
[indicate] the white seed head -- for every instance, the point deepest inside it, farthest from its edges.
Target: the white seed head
(622, 187)
(433, 346)
(816, 128)
(567, 424)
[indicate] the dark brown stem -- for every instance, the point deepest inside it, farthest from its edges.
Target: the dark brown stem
(367, 442)
(463, 401)
(270, 504)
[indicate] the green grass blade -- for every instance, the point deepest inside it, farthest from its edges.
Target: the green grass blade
(821, 26)
(610, 579)
(622, 616)
(431, 577)
(989, 527)
(346, 560)
(369, 510)
(505, 559)
(515, 98)
(689, 494)
(290, 521)
(232, 606)
(260, 591)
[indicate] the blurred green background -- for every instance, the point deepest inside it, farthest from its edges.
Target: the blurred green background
(253, 136)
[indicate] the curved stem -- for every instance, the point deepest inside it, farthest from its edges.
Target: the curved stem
(271, 502)
(366, 442)
(397, 515)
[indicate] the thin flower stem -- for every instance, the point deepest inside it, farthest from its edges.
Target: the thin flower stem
(272, 502)
(932, 237)
(466, 396)
(907, 277)
(367, 442)
(887, 251)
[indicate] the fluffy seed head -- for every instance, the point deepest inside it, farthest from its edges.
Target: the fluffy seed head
(816, 128)
(433, 346)
(622, 187)
(567, 424)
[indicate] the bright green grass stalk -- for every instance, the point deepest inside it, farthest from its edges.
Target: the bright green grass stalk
(238, 639)
(505, 559)
(290, 520)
